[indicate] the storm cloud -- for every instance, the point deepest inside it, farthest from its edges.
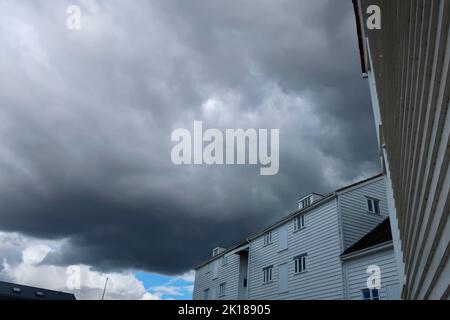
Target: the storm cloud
(86, 118)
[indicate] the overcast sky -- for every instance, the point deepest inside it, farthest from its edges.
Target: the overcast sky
(86, 118)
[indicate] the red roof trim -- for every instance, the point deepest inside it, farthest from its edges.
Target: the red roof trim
(360, 36)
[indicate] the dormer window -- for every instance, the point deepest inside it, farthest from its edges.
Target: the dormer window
(305, 202)
(217, 251)
(309, 200)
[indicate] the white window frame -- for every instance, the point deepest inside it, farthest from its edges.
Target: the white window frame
(300, 264)
(372, 202)
(299, 222)
(221, 291)
(267, 238)
(267, 274)
(306, 202)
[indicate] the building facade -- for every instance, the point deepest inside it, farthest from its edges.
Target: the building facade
(374, 253)
(302, 256)
(406, 61)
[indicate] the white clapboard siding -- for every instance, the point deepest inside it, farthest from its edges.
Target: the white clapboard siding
(320, 240)
(356, 274)
(228, 273)
(408, 71)
(336, 223)
(356, 220)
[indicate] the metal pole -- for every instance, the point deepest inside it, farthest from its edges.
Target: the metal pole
(104, 289)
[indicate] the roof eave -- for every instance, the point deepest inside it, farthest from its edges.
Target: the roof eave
(373, 249)
(360, 32)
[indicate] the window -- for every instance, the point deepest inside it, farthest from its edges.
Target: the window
(215, 252)
(39, 293)
(206, 294)
(222, 289)
(300, 263)
(373, 205)
(16, 290)
(299, 222)
(305, 202)
(370, 294)
(268, 238)
(224, 260)
(267, 274)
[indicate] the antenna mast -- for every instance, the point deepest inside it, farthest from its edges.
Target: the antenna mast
(104, 289)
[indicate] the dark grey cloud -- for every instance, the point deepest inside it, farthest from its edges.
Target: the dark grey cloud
(86, 118)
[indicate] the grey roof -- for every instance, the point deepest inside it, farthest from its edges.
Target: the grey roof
(378, 235)
(12, 291)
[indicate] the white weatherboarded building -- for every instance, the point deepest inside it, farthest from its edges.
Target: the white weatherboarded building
(320, 251)
(374, 249)
(407, 64)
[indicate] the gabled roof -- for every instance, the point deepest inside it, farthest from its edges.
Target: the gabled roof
(290, 216)
(359, 183)
(380, 234)
(12, 291)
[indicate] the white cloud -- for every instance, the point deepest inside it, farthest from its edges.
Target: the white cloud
(168, 291)
(24, 263)
(188, 276)
(35, 254)
(172, 288)
(120, 285)
(150, 296)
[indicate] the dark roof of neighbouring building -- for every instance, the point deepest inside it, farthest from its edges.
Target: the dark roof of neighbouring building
(12, 291)
(380, 234)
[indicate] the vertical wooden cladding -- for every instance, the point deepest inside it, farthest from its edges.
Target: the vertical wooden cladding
(410, 62)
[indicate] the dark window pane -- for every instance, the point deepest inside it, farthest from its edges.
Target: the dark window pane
(375, 295)
(366, 294)
(369, 205)
(377, 206)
